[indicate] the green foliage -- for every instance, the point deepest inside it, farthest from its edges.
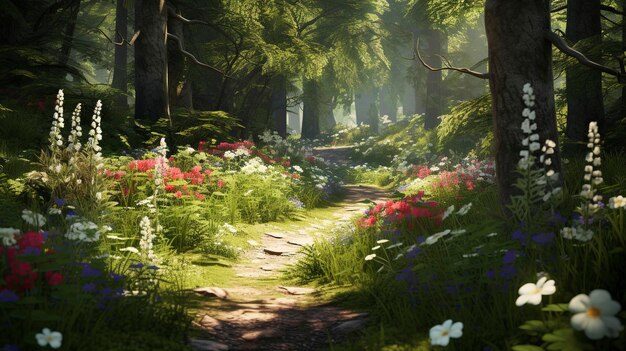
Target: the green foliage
(467, 126)
(188, 127)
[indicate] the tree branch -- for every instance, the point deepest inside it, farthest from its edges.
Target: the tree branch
(191, 56)
(179, 17)
(611, 9)
(447, 66)
(562, 45)
(123, 40)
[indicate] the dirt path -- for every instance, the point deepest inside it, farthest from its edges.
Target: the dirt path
(260, 313)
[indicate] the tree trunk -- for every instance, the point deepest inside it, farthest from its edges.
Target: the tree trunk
(68, 41)
(151, 91)
(519, 54)
(366, 108)
(583, 84)
(624, 49)
(179, 93)
(434, 87)
(388, 103)
(120, 74)
(311, 112)
(279, 105)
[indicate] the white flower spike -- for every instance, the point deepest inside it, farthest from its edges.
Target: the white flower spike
(531, 293)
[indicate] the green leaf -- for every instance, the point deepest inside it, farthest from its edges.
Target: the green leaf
(535, 325)
(526, 348)
(560, 307)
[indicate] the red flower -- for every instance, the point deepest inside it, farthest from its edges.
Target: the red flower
(54, 278)
(170, 188)
(30, 239)
(199, 196)
(220, 183)
(370, 221)
(178, 194)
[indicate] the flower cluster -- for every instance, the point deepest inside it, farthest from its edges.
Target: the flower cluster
(592, 177)
(95, 133)
(76, 132)
(84, 230)
(56, 139)
(531, 141)
(146, 241)
(254, 165)
(34, 219)
(395, 212)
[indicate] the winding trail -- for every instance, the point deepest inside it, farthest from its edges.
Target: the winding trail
(258, 312)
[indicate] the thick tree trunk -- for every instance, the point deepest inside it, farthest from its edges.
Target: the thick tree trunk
(120, 74)
(151, 91)
(583, 84)
(519, 54)
(179, 93)
(311, 112)
(434, 80)
(624, 49)
(279, 105)
(388, 102)
(68, 41)
(366, 108)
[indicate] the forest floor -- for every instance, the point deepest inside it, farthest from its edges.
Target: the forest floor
(257, 309)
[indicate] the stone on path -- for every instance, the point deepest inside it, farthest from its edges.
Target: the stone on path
(259, 334)
(350, 326)
(275, 235)
(212, 292)
(301, 242)
(296, 290)
(276, 251)
(207, 345)
(210, 322)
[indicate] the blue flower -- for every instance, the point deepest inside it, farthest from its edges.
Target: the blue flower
(116, 277)
(543, 238)
(89, 271)
(152, 267)
(509, 257)
(520, 235)
(136, 266)
(59, 202)
(490, 274)
(90, 287)
(8, 296)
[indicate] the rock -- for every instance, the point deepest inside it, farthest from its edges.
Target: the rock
(296, 290)
(350, 326)
(210, 322)
(301, 242)
(275, 235)
(207, 345)
(253, 243)
(276, 251)
(212, 292)
(259, 334)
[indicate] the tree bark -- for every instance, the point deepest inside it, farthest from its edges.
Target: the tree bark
(68, 41)
(120, 73)
(311, 111)
(151, 88)
(583, 84)
(624, 49)
(279, 105)
(366, 107)
(179, 89)
(519, 54)
(434, 80)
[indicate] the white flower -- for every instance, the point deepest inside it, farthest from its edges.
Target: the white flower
(34, 219)
(130, 249)
(448, 212)
(595, 314)
(297, 168)
(531, 293)
(8, 236)
(463, 210)
(48, 337)
(83, 231)
(382, 241)
(147, 237)
(441, 334)
(617, 202)
(370, 257)
(435, 237)
(568, 232)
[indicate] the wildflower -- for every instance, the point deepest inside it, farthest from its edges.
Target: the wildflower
(48, 337)
(617, 202)
(145, 244)
(370, 257)
(83, 231)
(34, 219)
(382, 241)
(435, 237)
(463, 210)
(73, 139)
(595, 314)
(448, 212)
(531, 293)
(8, 296)
(441, 334)
(375, 247)
(95, 134)
(56, 139)
(7, 235)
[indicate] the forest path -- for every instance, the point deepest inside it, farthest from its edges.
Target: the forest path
(258, 312)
